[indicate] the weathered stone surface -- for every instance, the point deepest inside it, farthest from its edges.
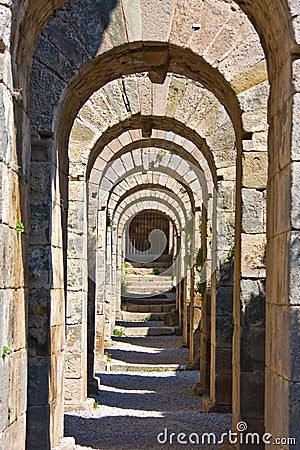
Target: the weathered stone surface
(253, 211)
(253, 259)
(255, 170)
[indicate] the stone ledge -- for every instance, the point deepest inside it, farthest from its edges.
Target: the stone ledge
(209, 406)
(67, 443)
(85, 406)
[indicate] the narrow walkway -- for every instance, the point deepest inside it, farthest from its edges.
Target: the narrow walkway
(135, 407)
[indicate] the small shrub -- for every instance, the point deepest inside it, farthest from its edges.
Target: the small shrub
(5, 352)
(230, 254)
(155, 271)
(20, 227)
(9, 412)
(118, 332)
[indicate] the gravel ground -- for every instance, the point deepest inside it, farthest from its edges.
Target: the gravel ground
(135, 407)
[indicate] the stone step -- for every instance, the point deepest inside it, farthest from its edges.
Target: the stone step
(148, 278)
(147, 271)
(148, 331)
(140, 324)
(149, 290)
(150, 301)
(140, 317)
(116, 366)
(140, 308)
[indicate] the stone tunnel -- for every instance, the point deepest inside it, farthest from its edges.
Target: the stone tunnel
(149, 173)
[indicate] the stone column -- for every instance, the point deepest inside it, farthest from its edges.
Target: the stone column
(46, 300)
(250, 263)
(221, 300)
(283, 277)
(77, 275)
(195, 307)
(14, 175)
(100, 284)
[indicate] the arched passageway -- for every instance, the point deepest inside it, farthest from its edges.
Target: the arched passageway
(105, 114)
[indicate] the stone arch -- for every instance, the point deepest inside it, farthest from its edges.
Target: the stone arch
(280, 69)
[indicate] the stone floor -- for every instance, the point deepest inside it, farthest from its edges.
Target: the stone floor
(136, 407)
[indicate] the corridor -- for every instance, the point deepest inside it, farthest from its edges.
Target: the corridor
(135, 407)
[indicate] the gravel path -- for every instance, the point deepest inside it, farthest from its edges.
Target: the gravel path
(135, 407)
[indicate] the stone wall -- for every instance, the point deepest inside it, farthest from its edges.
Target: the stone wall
(13, 250)
(226, 58)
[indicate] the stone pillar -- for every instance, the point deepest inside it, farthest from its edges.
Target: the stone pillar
(77, 276)
(14, 175)
(100, 285)
(46, 300)
(221, 302)
(195, 307)
(283, 278)
(250, 263)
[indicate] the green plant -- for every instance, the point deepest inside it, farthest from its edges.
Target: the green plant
(172, 290)
(9, 412)
(20, 227)
(126, 264)
(199, 261)
(201, 287)
(5, 352)
(160, 156)
(118, 332)
(155, 271)
(24, 176)
(230, 254)
(95, 405)
(146, 319)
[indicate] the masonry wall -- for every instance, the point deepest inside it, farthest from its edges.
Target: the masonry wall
(13, 251)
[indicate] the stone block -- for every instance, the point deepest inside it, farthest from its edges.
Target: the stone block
(223, 364)
(15, 434)
(153, 12)
(74, 365)
(171, 319)
(38, 418)
(278, 351)
(75, 391)
(17, 392)
(294, 318)
(10, 196)
(4, 389)
(224, 300)
(277, 393)
(295, 195)
(224, 331)
(75, 338)
(294, 268)
(252, 297)
(75, 307)
(39, 267)
(223, 389)
(254, 171)
(56, 420)
(57, 366)
(253, 211)
(294, 410)
(253, 255)
(252, 395)
(57, 339)
(76, 275)
(38, 381)
(278, 251)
